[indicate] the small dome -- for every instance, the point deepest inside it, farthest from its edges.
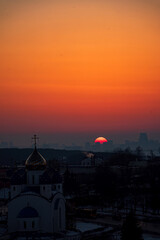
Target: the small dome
(35, 161)
(28, 212)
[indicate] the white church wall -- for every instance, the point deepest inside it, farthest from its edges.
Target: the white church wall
(58, 216)
(58, 187)
(40, 204)
(16, 190)
(33, 177)
(86, 162)
(28, 224)
(61, 215)
(46, 190)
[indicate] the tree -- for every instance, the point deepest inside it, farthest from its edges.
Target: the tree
(139, 153)
(54, 163)
(70, 185)
(106, 183)
(131, 229)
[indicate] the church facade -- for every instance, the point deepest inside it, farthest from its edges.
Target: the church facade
(37, 203)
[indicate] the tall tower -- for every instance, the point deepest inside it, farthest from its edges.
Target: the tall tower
(143, 140)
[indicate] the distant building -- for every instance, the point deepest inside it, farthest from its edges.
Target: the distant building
(91, 162)
(143, 140)
(86, 162)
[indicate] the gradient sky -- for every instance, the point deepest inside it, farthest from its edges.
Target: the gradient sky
(79, 66)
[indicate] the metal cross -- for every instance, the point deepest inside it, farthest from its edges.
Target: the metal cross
(35, 138)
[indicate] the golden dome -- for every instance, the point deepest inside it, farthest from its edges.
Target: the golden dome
(35, 161)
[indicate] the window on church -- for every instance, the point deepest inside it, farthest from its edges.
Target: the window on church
(33, 179)
(43, 188)
(33, 224)
(60, 220)
(25, 225)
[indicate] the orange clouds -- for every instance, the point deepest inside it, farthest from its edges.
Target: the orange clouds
(67, 64)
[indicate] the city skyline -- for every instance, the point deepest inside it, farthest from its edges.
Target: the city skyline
(143, 139)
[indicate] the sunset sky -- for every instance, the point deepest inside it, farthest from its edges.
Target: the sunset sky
(79, 66)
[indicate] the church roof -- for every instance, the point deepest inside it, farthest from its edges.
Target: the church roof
(28, 212)
(35, 161)
(34, 189)
(45, 179)
(50, 176)
(56, 178)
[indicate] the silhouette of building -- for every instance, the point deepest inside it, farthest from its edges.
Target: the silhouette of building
(37, 203)
(143, 140)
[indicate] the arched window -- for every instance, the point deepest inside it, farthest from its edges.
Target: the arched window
(25, 225)
(60, 219)
(32, 179)
(33, 224)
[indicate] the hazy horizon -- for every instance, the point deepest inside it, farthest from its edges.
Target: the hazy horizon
(68, 139)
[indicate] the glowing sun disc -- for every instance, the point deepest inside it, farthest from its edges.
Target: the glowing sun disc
(100, 140)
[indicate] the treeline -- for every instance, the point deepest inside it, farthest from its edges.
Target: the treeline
(16, 156)
(119, 183)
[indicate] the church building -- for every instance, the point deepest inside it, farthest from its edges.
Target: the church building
(37, 203)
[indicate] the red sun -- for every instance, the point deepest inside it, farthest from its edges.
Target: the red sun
(100, 140)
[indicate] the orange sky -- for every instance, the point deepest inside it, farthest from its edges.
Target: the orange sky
(72, 66)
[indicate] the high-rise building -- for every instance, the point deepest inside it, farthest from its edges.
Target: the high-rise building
(143, 140)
